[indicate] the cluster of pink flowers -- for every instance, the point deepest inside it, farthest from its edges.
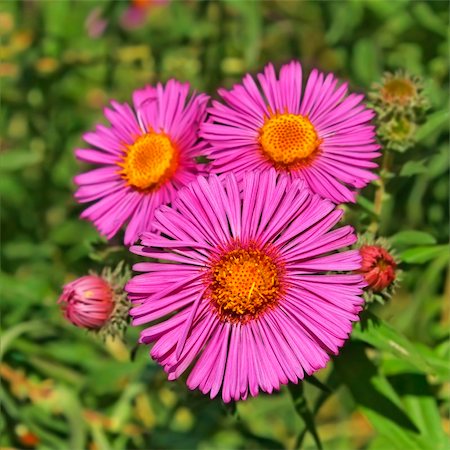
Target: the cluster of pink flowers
(246, 281)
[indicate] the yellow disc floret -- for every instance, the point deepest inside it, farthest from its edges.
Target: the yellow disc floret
(244, 282)
(149, 161)
(288, 140)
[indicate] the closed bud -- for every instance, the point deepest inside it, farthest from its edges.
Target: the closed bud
(98, 303)
(378, 267)
(87, 302)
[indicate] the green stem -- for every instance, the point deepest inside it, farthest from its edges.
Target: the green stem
(380, 194)
(301, 406)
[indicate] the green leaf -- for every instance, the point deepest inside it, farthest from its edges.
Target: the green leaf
(14, 332)
(382, 336)
(100, 438)
(418, 400)
(30, 416)
(343, 21)
(434, 124)
(438, 362)
(123, 408)
(377, 400)
(412, 237)
(365, 61)
(72, 231)
(365, 204)
(252, 21)
(18, 159)
(72, 408)
(420, 255)
(413, 168)
(429, 19)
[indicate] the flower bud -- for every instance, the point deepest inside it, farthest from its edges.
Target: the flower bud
(400, 105)
(87, 302)
(399, 93)
(378, 267)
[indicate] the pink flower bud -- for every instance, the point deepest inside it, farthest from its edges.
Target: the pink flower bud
(87, 302)
(378, 267)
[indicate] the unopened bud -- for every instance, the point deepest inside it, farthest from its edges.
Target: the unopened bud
(378, 267)
(87, 302)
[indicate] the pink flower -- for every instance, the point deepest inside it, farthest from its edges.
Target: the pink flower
(321, 135)
(87, 302)
(378, 267)
(95, 24)
(145, 157)
(240, 288)
(136, 14)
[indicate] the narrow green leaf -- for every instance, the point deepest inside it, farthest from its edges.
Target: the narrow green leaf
(420, 255)
(412, 237)
(18, 159)
(100, 438)
(28, 417)
(438, 362)
(417, 397)
(124, 406)
(14, 332)
(382, 336)
(73, 411)
(365, 61)
(376, 399)
(425, 15)
(413, 168)
(366, 204)
(433, 125)
(58, 371)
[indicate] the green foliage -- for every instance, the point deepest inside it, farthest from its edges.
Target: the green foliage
(63, 388)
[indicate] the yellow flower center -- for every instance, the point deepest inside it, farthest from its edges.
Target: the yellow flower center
(288, 140)
(244, 282)
(150, 161)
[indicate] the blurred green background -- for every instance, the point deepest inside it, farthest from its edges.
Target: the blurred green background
(61, 63)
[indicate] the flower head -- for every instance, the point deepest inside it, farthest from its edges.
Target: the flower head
(87, 302)
(98, 303)
(144, 157)
(378, 267)
(320, 136)
(241, 287)
(401, 93)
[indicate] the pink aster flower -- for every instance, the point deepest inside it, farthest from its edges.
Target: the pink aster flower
(146, 155)
(320, 135)
(242, 288)
(87, 302)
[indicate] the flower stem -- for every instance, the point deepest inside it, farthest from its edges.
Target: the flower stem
(302, 409)
(380, 194)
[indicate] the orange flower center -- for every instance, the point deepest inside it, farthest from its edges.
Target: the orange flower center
(399, 89)
(288, 140)
(150, 161)
(244, 283)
